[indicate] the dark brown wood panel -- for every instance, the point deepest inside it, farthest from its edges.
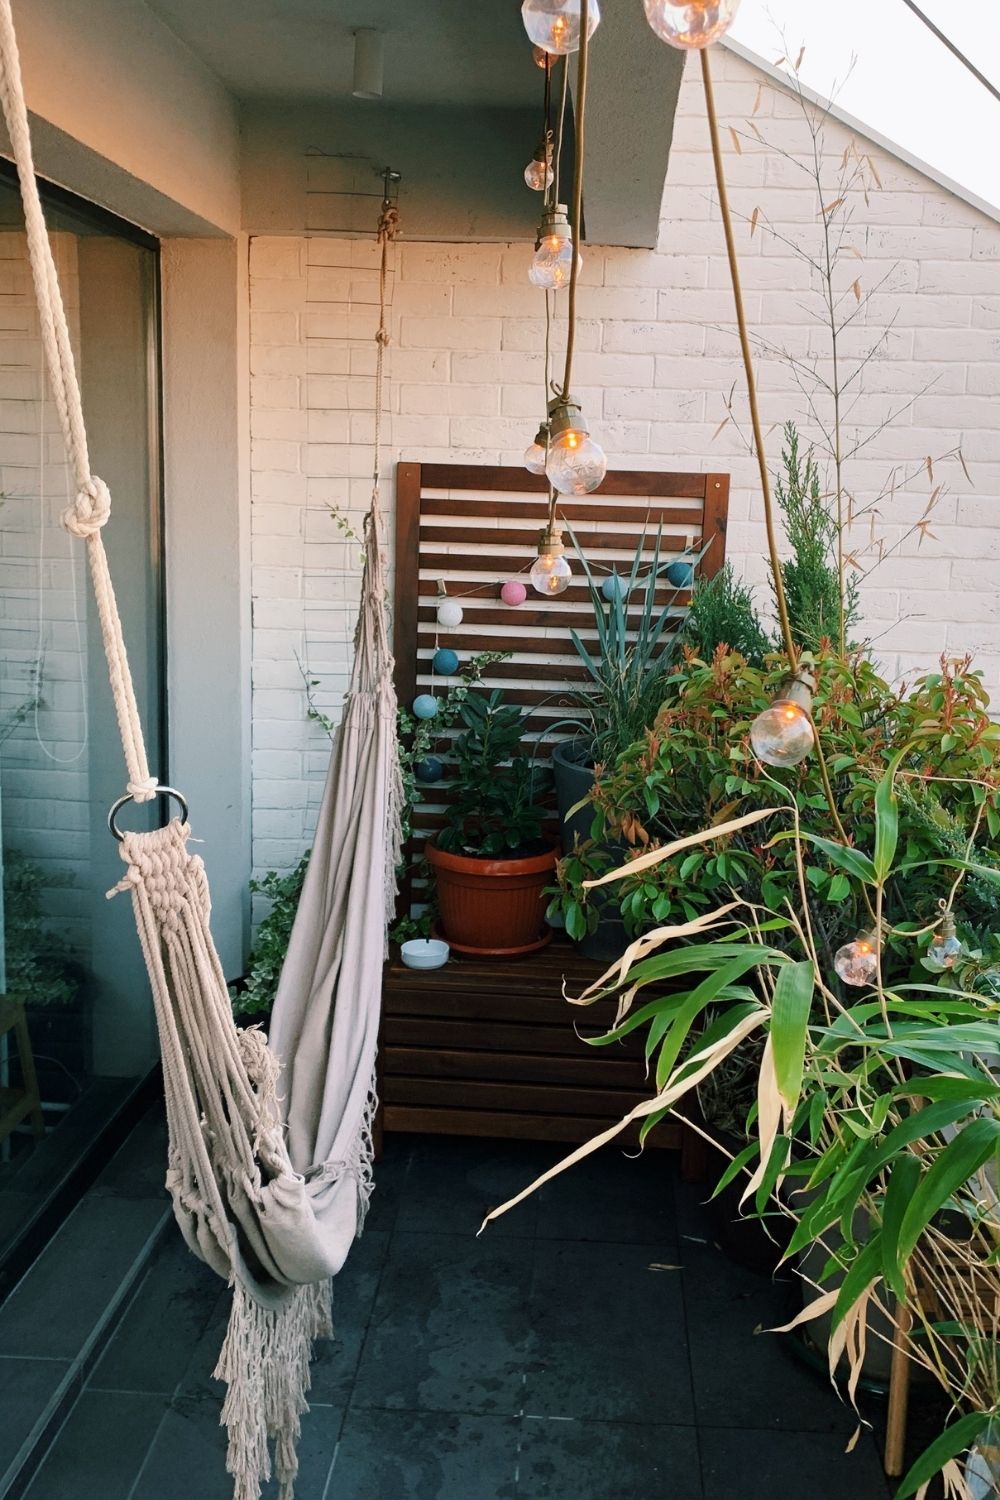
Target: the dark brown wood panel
(560, 1129)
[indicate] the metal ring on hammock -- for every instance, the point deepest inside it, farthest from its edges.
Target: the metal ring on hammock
(161, 791)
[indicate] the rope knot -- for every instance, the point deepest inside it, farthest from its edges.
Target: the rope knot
(90, 509)
(142, 791)
(382, 337)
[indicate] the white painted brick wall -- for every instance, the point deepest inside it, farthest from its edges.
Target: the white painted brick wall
(656, 357)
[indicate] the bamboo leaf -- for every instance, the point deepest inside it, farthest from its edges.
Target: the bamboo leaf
(854, 861)
(954, 1440)
(736, 142)
(902, 1186)
(952, 1167)
(753, 221)
(793, 993)
(657, 856)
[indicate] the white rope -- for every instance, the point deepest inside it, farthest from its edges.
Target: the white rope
(87, 514)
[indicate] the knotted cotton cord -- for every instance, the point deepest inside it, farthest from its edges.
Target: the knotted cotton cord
(88, 513)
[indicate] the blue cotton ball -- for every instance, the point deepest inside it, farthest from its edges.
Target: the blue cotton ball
(424, 706)
(680, 574)
(429, 769)
(445, 662)
(613, 588)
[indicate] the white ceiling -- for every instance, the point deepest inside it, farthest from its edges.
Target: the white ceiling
(436, 51)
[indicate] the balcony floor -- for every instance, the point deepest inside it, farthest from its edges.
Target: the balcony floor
(593, 1345)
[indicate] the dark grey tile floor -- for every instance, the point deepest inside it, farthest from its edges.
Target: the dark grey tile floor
(593, 1345)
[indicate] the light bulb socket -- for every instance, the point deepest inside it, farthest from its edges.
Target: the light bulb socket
(550, 542)
(555, 221)
(566, 416)
(946, 929)
(542, 435)
(543, 151)
(799, 690)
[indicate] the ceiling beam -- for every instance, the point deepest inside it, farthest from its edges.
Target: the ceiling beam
(632, 94)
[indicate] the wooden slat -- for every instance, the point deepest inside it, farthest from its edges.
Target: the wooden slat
(504, 1036)
(514, 479)
(514, 1126)
(590, 541)
(716, 517)
(500, 1065)
(535, 511)
(532, 1098)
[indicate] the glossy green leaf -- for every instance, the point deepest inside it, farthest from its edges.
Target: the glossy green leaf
(902, 1186)
(887, 818)
(950, 1170)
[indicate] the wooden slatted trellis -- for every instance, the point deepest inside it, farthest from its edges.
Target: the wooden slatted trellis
(472, 528)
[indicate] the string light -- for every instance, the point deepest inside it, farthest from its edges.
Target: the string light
(537, 452)
(551, 573)
(538, 174)
(445, 662)
(576, 465)
(513, 593)
(857, 962)
(552, 263)
(689, 24)
(449, 614)
(946, 947)
(554, 25)
(783, 734)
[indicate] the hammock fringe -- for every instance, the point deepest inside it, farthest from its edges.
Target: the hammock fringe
(264, 1361)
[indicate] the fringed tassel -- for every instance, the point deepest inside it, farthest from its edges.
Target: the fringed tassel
(265, 1363)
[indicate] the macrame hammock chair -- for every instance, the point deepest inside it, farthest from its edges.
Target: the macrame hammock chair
(269, 1168)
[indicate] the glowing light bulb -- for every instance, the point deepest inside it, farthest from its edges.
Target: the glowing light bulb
(550, 574)
(540, 57)
(690, 23)
(946, 947)
(554, 25)
(783, 734)
(552, 263)
(534, 458)
(576, 464)
(857, 962)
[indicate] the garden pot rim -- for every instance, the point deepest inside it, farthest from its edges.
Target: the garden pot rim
(471, 864)
(577, 753)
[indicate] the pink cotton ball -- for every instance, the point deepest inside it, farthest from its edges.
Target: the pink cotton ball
(513, 592)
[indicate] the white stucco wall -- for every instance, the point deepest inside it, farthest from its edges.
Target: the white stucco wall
(657, 356)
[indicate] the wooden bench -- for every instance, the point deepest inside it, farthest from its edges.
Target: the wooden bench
(484, 1048)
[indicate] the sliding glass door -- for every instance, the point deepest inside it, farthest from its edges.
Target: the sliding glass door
(76, 1026)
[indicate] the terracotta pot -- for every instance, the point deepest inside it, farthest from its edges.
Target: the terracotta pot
(493, 906)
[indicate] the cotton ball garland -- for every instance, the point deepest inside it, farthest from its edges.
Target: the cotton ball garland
(680, 574)
(424, 706)
(445, 662)
(449, 613)
(428, 770)
(513, 592)
(613, 588)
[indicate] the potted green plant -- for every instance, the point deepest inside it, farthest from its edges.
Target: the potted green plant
(491, 861)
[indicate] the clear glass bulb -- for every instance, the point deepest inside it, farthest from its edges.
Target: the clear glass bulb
(576, 464)
(552, 263)
(857, 962)
(946, 949)
(538, 174)
(554, 25)
(691, 23)
(550, 575)
(783, 734)
(534, 458)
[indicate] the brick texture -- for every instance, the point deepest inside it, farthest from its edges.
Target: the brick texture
(657, 357)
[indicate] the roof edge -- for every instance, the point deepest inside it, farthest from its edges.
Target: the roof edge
(989, 210)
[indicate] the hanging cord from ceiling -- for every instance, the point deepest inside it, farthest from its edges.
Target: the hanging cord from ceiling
(388, 229)
(955, 51)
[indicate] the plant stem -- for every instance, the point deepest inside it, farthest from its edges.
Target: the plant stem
(758, 438)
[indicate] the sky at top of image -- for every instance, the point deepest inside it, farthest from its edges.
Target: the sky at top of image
(880, 64)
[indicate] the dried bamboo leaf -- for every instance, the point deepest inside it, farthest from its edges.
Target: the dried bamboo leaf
(816, 1309)
(705, 1061)
(798, 60)
(756, 102)
(644, 945)
(657, 856)
(828, 208)
(736, 141)
(753, 222)
(722, 424)
(856, 289)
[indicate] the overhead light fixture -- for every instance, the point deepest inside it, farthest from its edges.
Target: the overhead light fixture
(369, 55)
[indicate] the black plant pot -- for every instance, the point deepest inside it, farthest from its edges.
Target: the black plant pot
(744, 1240)
(573, 770)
